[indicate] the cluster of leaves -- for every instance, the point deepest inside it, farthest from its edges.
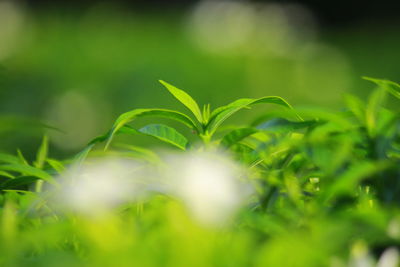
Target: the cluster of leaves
(327, 191)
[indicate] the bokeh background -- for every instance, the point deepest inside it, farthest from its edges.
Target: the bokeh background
(76, 65)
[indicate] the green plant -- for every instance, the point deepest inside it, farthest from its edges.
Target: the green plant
(326, 191)
(205, 123)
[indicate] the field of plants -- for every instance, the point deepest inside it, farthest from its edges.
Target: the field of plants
(199, 133)
(291, 187)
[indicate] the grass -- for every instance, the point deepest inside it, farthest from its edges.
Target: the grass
(295, 187)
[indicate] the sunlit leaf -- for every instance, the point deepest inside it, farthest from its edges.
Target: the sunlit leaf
(185, 99)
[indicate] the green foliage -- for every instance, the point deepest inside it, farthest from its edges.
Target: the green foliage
(166, 134)
(326, 191)
(185, 99)
(42, 153)
(205, 125)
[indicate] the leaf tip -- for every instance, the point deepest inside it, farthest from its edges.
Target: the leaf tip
(163, 82)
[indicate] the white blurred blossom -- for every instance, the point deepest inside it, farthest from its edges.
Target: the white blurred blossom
(389, 258)
(210, 184)
(99, 186)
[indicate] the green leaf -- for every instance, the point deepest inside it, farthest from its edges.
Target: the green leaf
(28, 170)
(141, 152)
(391, 87)
(137, 113)
(206, 113)
(338, 119)
(356, 106)
(159, 131)
(42, 153)
(22, 158)
(81, 156)
(287, 114)
(372, 110)
(220, 114)
(245, 153)
(236, 136)
(6, 174)
(185, 99)
(7, 158)
(18, 182)
(347, 182)
(283, 125)
(165, 134)
(56, 165)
